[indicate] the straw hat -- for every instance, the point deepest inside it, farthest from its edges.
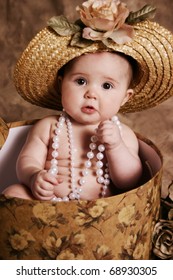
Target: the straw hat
(152, 47)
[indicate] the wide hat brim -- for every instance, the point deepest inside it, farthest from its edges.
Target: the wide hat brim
(35, 73)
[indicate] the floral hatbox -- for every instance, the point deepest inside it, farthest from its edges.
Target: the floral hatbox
(117, 227)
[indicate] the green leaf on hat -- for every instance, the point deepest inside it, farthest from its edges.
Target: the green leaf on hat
(146, 12)
(62, 26)
(80, 42)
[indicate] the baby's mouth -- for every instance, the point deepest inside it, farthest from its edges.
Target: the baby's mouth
(88, 109)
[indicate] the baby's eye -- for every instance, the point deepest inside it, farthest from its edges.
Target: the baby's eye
(81, 81)
(107, 85)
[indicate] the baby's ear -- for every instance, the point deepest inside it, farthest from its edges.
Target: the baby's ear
(129, 94)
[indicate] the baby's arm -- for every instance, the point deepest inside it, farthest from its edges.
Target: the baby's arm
(125, 167)
(31, 162)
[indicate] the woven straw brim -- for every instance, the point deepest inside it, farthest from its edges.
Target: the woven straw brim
(36, 71)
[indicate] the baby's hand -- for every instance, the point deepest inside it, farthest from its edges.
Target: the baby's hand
(43, 185)
(109, 134)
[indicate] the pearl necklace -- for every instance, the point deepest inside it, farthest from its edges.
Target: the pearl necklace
(102, 177)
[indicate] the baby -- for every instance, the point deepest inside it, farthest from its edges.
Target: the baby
(86, 153)
(109, 60)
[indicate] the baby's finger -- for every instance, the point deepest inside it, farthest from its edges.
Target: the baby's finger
(46, 198)
(104, 123)
(45, 193)
(50, 178)
(47, 186)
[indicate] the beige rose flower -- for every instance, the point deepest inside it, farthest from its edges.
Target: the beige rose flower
(102, 203)
(52, 242)
(163, 239)
(96, 211)
(20, 240)
(80, 221)
(79, 239)
(127, 214)
(52, 245)
(44, 212)
(105, 19)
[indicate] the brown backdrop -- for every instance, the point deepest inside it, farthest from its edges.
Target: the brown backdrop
(21, 20)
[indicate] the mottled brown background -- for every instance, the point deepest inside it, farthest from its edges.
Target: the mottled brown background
(21, 20)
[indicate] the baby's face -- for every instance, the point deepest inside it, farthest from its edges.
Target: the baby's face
(95, 86)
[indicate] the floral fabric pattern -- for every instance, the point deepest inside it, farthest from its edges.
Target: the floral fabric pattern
(118, 227)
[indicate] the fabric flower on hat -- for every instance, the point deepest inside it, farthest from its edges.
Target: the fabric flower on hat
(105, 19)
(101, 20)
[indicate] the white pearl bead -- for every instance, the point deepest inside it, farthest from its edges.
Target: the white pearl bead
(55, 154)
(88, 163)
(101, 148)
(54, 161)
(92, 146)
(54, 169)
(85, 172)
(104, 188)
(82, 181)
(55, 145)
(52, 172)
(65, 198)
(100, 156)
(100, 180)
(56, 139)
(99, 172)
(57, 130)
(61, 124)
(103, 193)
(62, 119)
(114, 119)
(57, 199)
(90, 155)
(99, 164)
(94, 138)
(72, 196)
(106, 182)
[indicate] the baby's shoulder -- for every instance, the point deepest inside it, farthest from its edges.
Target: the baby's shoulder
(129, 136)
(47, 121)
(42, 129)
(43, 126)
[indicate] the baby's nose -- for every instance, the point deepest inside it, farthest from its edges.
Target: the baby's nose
(91, 94)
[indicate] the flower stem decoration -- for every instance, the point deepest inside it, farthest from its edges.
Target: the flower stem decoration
(101, 20)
